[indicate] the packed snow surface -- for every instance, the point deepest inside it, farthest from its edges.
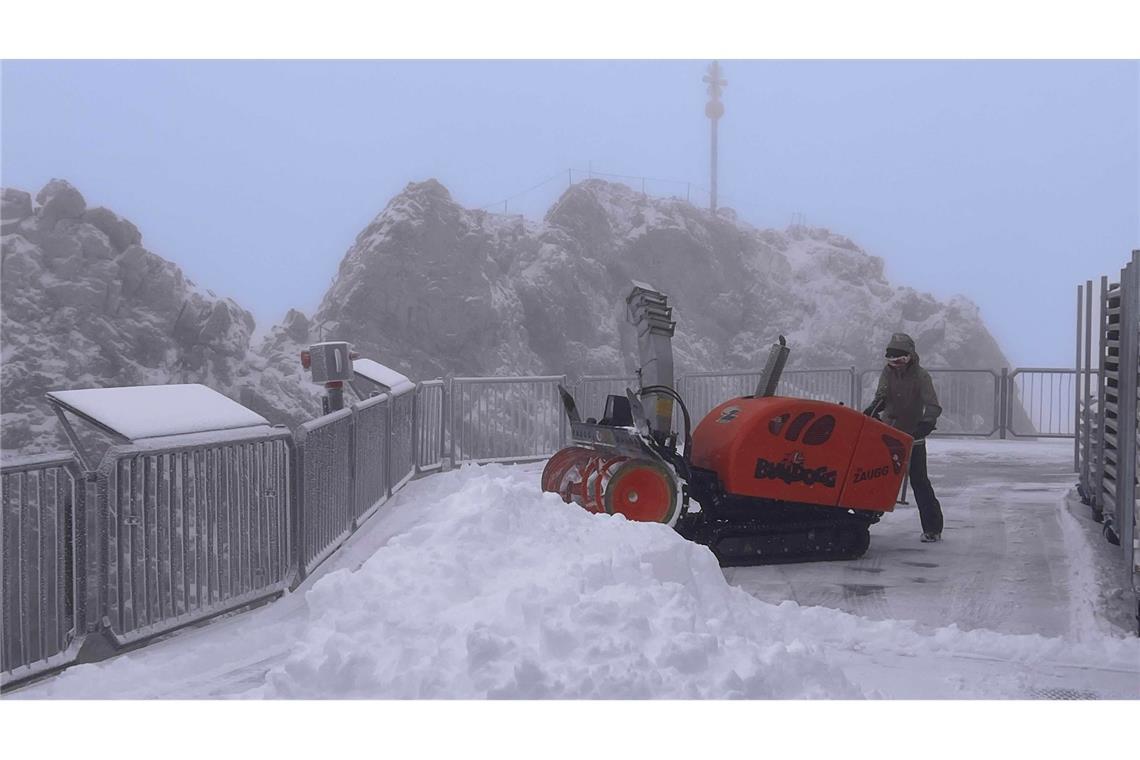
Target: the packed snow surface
(474, 584)
(149, 411)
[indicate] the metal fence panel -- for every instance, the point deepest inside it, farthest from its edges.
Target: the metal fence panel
(834, 385)
(970, 399)
(704, 391)
(402, 452)
(370, 449)
(193, 529)
(40, 496)
(591, 391)
(429, 425)
(502, 419)
(325, 508)
(1043, 402)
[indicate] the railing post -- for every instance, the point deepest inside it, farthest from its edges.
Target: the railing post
(1077, 400)
(1004, 406)
(388, 447)
(451, 418)
(856, 390)
(298, 501)
(563, 433)
(1126, 411)
(1102, 385)
(416, 429)
(1087, 393)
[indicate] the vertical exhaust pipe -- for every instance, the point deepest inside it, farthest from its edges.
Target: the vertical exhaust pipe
(773, 369)
(648, 310)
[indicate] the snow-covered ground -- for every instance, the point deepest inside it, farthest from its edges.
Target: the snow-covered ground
(473, 584)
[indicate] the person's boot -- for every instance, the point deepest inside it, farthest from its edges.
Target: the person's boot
(929, 538)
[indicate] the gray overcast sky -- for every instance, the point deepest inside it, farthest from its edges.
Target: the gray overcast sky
(1008, 182)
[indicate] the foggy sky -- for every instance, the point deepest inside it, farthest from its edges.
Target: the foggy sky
(1008, 182)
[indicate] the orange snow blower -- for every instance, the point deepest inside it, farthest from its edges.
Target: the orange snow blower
(762, 479)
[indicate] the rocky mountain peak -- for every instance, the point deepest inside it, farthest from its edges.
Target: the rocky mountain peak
(84, 304)
(429, 288)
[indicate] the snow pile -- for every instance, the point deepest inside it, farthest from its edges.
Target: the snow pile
(502, 592)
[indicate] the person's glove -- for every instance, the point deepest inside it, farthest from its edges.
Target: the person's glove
(923, 429)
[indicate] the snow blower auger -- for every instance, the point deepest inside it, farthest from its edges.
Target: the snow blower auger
(763, 479)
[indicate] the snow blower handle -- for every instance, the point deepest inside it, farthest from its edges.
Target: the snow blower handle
(876, 407)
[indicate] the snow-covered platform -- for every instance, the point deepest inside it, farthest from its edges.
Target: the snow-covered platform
(1004, 563)
(474, 584)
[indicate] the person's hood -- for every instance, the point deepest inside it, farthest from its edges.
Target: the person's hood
(903, 342)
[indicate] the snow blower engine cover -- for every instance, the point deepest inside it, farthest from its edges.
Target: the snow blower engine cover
(804, 451)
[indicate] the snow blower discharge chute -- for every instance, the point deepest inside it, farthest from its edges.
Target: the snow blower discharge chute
(763, 479)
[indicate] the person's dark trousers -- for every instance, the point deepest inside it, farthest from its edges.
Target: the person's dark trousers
(929, 510)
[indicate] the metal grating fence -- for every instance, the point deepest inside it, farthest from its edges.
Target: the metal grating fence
(1047, 397)
(371, 481)
(430, 428)
(401, 444)
(191, 530)
(325, 486)
(591, 391)
(506, 419)
(40, 499)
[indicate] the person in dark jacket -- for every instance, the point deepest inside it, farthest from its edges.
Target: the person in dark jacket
(906, 400)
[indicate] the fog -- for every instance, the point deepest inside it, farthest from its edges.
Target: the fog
(1008, 182)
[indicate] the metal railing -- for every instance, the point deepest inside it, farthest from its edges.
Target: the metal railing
(401, 441)
(189, 530)
(371, 480)
(971, 400)
(591, 391)
(430, 427)
(41, 626)
(326, 484)
(1047, 398)
(505, 419)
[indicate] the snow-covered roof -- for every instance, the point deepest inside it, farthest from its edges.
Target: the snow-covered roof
(378, 373)
(149, 411)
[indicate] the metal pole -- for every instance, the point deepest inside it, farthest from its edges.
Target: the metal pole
(1077, 402)
(1087, 440)
(1127, 446)
(416, 427)
(389, 403)
(1101, 385)
(451, 416)
(712, 170)
(1004, 413)
(714, 109)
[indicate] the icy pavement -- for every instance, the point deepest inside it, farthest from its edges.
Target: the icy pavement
(1002, 564)
(474, 584)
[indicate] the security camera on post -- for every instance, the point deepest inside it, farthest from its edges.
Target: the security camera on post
(330, 363)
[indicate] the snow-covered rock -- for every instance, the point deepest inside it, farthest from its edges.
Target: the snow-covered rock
(430, 288)
(84, 305)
